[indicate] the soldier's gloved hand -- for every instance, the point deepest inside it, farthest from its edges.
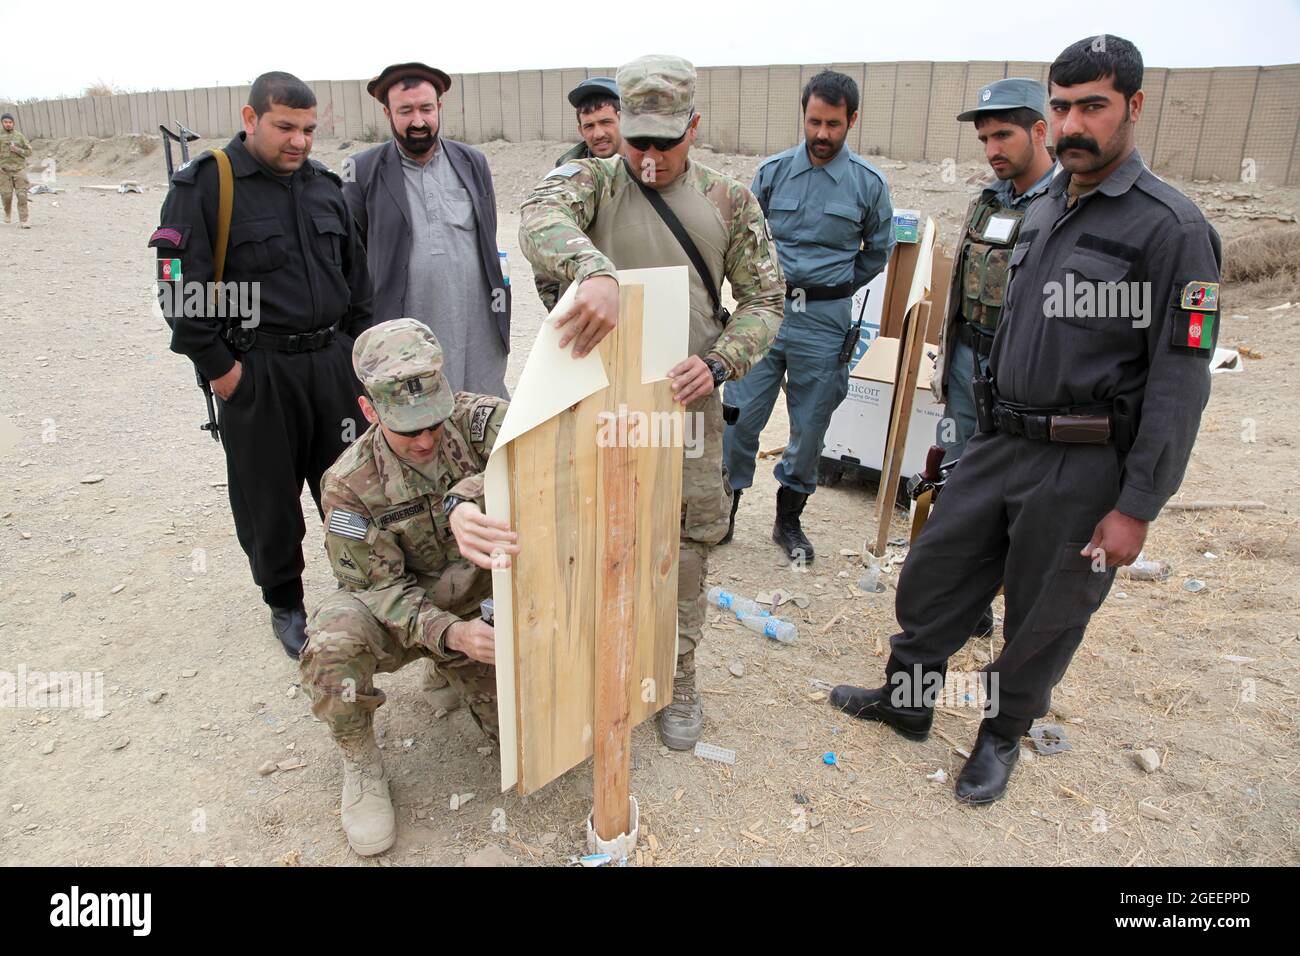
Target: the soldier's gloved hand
(691, 380)
(474, 639)
(483, 541)
(593, 315)
(1119, 538)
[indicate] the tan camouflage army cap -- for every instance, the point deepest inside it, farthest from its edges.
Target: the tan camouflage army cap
(400, 365)
(658, 94)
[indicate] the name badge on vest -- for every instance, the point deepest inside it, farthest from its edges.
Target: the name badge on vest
(1000, 228)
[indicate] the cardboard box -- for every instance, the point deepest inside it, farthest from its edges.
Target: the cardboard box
(859, 426)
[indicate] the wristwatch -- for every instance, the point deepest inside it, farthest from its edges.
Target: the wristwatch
(451, 503)
(718, 370)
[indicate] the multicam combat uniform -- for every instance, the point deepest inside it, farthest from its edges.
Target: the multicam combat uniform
(13, 171)
(589, 218)
(403, 580)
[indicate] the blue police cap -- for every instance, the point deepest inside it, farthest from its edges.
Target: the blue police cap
(593, 86)
(1012, 93)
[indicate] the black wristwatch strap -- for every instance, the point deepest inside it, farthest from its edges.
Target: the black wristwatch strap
(451, 502)
(719, 371)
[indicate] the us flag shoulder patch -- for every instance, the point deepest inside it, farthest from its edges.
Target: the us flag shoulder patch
(347, 524)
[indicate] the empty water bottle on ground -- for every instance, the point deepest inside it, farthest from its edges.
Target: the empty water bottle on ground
(735, 603)
(772, 627)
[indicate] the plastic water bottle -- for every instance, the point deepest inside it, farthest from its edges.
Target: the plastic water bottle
(772, 627)
(739, 605)
(505, 266)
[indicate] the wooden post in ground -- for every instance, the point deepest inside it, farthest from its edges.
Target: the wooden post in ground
(909, 366)
(611, 816)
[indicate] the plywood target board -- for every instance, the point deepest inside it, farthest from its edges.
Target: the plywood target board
(543, 476)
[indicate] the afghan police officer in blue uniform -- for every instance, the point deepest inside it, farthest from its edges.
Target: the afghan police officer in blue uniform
(1009, 121)
(832, 219)
(1097, 380)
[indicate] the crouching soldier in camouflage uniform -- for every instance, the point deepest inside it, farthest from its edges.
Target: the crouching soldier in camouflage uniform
(412, 550)
(587, 219)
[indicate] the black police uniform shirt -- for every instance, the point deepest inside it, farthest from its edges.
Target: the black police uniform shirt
(1150, 256)
(293, 235)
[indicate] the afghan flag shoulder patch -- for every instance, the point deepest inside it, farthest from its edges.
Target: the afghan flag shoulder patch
(169, 270)
(1192, 330)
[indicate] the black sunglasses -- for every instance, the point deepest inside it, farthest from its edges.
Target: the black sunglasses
(419, 431)
(642, 143)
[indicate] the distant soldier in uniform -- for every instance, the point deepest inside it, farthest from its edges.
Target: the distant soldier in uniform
(412, 551)
(1100, 371)
(14, 150)
(595, 101)
(834, 227)
(286, 389)
(1009, 121)
(591, 217)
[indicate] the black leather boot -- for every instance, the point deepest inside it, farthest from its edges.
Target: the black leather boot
(874, 703)
(787, 531)
(987, 772)
(731, 522)
(289, 625)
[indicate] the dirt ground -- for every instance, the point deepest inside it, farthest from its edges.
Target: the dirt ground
(118, 557)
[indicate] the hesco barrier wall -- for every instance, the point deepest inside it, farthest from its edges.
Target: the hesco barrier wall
(1229, 122)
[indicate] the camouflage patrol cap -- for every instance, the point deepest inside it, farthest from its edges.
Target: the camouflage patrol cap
(400, 365)
(658, 94)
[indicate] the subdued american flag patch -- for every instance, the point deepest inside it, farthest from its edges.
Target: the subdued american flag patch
(347, 524)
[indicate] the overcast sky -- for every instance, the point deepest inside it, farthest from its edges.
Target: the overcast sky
(142, 46)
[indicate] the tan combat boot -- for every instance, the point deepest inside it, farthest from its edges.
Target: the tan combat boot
(681, 721)
(436, 690)
(367, 809)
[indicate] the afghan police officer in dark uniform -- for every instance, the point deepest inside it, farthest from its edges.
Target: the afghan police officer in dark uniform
(596, 103)
(833, 222)
(1100, 371)
(282, 370)
(1009, 121)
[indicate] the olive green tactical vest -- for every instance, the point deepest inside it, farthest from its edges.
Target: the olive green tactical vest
(991, 232)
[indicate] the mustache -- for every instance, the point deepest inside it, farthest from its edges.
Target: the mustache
(1078, 142)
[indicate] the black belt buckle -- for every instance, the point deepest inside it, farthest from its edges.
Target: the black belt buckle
(294, 343)
(1036, 427)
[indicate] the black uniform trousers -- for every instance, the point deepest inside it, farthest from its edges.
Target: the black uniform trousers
(290, 417)
(1015, 513)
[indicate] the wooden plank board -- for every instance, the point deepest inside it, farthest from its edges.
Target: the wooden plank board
(916, 320)
(546, 480)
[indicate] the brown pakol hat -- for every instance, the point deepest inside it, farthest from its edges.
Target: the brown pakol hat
(378, 87)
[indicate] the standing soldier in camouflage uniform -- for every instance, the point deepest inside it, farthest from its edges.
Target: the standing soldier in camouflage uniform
(412, 550)
(14, 150)
(589, 218)
(1009, 121)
